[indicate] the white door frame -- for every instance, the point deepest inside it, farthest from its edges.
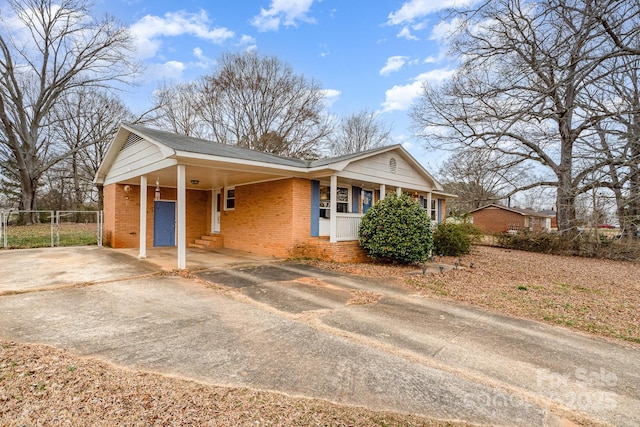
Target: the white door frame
(216, 199)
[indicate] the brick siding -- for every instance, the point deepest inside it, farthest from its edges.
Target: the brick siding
(495, 220)
(122, 214)
(269, 218)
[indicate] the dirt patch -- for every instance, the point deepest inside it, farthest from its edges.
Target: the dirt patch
(361, 297)
(41, 385)
(596, 296)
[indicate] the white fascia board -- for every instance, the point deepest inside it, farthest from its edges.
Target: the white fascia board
(118, 141)
(165, 150)
(390, 182)
(182, 155)
(445, 195)
(110, 156)
(166, 163)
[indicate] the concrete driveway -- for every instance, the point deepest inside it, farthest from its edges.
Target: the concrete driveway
(259, 323)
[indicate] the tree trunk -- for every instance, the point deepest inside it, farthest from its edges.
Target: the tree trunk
(566, 202)
(28, 202)
(632, 214)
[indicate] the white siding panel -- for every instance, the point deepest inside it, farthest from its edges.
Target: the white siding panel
(137, 157)
(376, 169)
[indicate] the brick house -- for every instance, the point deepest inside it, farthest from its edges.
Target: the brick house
(164, 189)
(501, 219)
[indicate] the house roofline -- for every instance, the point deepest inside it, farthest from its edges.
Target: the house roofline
(514, 210)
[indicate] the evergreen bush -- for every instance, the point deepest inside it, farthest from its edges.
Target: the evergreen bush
(397, 229)
(452, 239)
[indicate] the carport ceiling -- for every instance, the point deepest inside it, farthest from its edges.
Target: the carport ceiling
(204, 178)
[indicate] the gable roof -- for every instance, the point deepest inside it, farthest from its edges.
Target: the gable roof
(190, 144)
(520, 211)
(173, 146)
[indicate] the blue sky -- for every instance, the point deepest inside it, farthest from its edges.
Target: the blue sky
(366, 54)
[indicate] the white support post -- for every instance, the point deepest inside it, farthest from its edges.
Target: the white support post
(399, 191)
(182, 217)
(333, 221)
(143, 217)
(383, 191)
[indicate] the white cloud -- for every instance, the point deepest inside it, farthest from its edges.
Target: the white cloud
(170, 70)
(282, 12)
(416, 9)
(394, 63)
(248, 43)
(331, 96)
(400, 97)
(444, 29)
(203, 61)
(405, 33)
(149, 30)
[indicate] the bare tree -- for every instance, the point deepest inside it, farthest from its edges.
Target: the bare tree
(621, 21)
(86, 121)
(480, 177)
(48, 48)
(523, 89)
(179, 108)
(618, 139)
(259, 103)
(360, 131)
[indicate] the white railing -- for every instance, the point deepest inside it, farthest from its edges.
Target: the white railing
(347, 226)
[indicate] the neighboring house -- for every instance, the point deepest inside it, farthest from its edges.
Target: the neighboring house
(553, 215)
(164, 189)
(501, 219)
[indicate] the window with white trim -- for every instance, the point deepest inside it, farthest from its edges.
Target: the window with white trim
(229, 199)
(342, 203)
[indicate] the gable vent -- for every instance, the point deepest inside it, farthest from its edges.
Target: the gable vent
(392, 165)
(132, 139)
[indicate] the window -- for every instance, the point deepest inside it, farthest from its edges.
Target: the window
(431, 211)
(229, 199)
(342, 205)
(343, 200)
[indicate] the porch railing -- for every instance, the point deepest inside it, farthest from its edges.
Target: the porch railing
(347, 226)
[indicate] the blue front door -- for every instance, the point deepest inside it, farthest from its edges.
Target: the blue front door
(367, 200)
(164, 223)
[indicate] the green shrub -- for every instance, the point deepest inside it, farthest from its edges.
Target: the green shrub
(452, 239)
(397, 229)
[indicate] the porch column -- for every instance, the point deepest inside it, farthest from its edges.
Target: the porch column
(182, 220)
(383, 191)
(429, 205)
(399, 191)
(333, 222)
(143, 217)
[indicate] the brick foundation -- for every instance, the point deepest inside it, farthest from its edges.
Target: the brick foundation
(321, 248)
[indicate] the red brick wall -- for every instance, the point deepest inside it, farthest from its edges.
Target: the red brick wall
(122, 214)
(495, 220)
(269, 218)
(320, 248)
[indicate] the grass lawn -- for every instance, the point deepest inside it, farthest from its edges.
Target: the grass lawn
(39, 235)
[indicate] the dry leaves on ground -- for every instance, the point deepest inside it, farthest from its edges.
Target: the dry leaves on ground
(41, 385)
(591, 295)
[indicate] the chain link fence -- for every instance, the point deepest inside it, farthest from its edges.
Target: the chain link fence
(42, 228)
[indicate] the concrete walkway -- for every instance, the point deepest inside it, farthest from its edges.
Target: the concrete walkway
(250, 321)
